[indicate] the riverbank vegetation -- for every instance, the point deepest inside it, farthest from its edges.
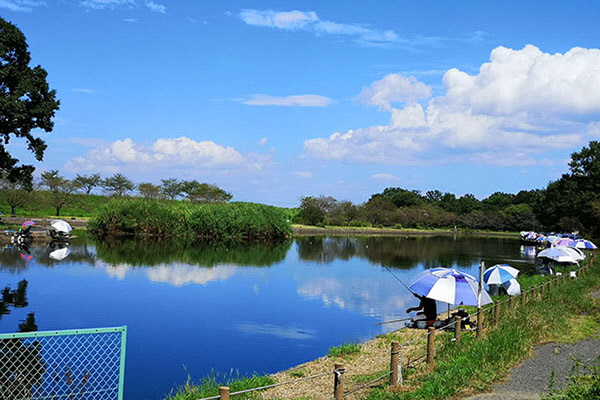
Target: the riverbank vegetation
(142, 218)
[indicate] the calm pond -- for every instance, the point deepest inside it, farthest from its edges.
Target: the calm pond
(257, 308)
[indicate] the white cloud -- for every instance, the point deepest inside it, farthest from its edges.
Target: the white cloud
(303, 174)
(153, 6)
(394, 88)
(282, 20)
(309, 21)
(84, 90)
(20, 5)
(521, 104)
(113, 4)
(182, 154)
(385, 177)
(104, 4)
(305, 100)
(262, 141)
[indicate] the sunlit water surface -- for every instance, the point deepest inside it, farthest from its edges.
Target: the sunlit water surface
(196, 310)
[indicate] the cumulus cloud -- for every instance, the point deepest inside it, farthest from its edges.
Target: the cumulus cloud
(154, 6)
(305, 100)
(519, 105)
(172, 153)
(394, 88)
(20, 5)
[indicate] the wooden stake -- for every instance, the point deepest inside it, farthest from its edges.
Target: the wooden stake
(431, 346)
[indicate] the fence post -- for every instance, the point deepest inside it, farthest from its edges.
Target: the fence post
(224, 393)
(511, 302)
(496, 313)
(431, 346)
(542, 289)
(479, 322)
(457, 329)
(534, 292)
(395, 372)
(523, 298)
(338, 381)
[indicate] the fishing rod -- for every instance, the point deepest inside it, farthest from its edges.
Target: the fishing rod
(392, 321)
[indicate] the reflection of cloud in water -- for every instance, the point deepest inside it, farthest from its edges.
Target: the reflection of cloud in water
(181, 274)
(175, 274)
(368, 297)
(285, 332)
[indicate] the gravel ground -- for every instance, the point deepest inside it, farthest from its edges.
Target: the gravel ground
(532, 378)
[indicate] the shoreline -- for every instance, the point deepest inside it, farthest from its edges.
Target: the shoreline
(303, 230)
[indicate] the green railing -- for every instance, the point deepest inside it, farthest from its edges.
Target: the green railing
(70, 364)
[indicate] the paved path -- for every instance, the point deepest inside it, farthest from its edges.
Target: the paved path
(531, 379)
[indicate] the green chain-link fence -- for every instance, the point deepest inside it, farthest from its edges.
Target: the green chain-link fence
(72, 364)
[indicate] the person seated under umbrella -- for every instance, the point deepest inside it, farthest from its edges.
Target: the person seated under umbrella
(428, 307)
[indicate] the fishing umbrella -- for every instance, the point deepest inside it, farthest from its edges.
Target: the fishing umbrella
(565, 242)
(61, 226)
(512, 287)
(59, 254)
(558, 254)
(27, 223)
(450, 286)
(576, 253)
(585, 244)
(499, 273)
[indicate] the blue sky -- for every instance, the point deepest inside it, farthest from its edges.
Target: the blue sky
(273, 101)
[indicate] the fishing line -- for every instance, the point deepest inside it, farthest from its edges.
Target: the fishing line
(398, 279)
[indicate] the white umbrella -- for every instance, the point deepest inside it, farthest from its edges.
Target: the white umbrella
(61, 226)
(450, 286)
(59, 254)
(558, 254)
(512, 287)
(499, 273)
(576, 253)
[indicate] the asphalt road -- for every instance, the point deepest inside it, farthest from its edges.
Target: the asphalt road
(532, 378)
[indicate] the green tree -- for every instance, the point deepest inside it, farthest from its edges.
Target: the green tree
(497, 201)
(26, 102)
(60, 189)
(149, 190)
(204, 192)
(402, 197)
(15, 194)
(380, 211)
(87, 182)
(312, 211)
(117, 185)
(171, 188)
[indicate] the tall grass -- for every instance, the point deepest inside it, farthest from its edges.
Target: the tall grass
(209, 387)
(146, 218)
(477, 363)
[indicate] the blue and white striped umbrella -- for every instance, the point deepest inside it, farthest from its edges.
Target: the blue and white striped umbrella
(499, 273)
(450, 286)
(585, 244)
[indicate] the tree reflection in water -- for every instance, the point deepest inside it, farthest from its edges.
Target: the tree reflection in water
(406, 252)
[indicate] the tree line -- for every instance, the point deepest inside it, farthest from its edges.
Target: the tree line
(569, 204)
(60, 191)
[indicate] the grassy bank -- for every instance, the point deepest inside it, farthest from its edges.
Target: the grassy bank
(565, 313)
(144, 218)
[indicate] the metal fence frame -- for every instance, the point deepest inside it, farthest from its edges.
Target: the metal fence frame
(46, 355)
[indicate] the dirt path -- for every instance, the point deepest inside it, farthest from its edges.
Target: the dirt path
(532, 378)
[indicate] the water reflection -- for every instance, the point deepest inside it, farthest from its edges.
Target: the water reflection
(410, 251)
(223, 306)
